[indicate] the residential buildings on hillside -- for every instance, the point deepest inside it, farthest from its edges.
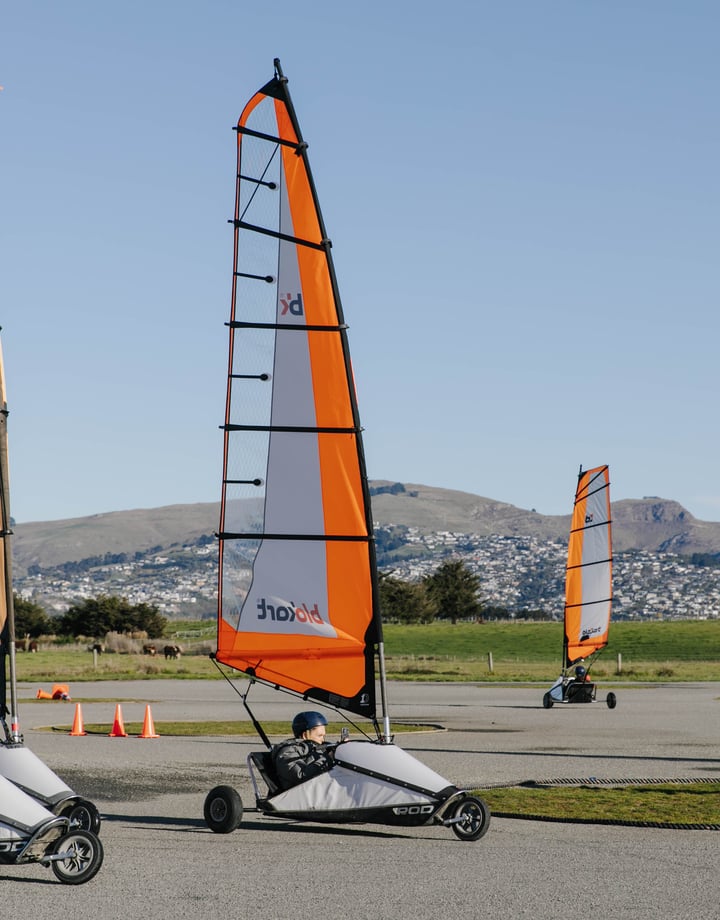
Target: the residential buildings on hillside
(518, 573)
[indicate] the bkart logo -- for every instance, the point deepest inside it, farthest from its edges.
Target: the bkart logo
(292, 305)
(289, 613)
(588, 518)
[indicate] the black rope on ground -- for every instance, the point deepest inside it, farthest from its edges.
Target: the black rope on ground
(597, 781)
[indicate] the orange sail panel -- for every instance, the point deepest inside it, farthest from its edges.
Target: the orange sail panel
(588, 579)
(297, 603)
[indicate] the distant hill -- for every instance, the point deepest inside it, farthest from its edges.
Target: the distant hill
(651, 524)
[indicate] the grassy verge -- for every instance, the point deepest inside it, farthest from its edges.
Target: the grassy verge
(276, 730)
(668, 803)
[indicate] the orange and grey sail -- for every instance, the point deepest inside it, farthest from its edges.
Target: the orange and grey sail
(297, 600)
(588, 579)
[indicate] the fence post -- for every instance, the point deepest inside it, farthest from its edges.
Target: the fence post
(490, 662)
(619, 663)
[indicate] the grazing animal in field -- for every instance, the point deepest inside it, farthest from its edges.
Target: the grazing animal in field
(33, 646)
(149, 650)
(96, 647)
(172, 651)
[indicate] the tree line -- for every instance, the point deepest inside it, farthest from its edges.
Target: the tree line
(451, 592)
(93, 618)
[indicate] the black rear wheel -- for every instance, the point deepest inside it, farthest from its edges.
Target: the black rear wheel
(475, 819)
(611, 700)
(223, 810)
(81, 855)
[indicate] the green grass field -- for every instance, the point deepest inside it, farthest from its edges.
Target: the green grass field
(666, 651)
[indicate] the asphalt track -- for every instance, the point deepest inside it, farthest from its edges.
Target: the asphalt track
(162, 862)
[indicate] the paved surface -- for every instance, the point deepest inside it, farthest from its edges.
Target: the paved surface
(161, 861)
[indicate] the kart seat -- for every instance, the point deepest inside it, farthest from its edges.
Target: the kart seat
(580, 691)
(263, 761)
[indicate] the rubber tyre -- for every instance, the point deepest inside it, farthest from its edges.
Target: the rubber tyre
(547, 701)
(83, 815)
(84, 857)
(476, 819)
(611, 700)
(223, 810)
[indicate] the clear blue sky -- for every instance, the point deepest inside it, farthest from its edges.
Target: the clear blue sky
(523, 199)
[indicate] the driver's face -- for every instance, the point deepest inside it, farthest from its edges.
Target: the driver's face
(316, 734)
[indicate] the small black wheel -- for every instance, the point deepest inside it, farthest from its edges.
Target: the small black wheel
(81, 855)
(83, 815)
(547, 701)
(475, 819)
(223, 810)
(611, 700)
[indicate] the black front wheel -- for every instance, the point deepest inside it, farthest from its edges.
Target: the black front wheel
(83, 815)
(223, 810)
(611, 700)
(547, 701)
(475, 819)
(77, 857)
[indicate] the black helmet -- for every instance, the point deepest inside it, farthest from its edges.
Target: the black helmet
(304, 721)
(580, 671)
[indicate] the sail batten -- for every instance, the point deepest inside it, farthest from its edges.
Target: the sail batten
(588, 578)
(294, 536)
(297, 598)
(243, 225)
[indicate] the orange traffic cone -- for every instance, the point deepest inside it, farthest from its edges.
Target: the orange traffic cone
(77, 728)
(148, 730)
(44, 695)
(118, 729)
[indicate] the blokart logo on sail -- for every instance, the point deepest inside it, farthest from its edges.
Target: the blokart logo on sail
(292, 305)
(289, 613)
(588, 518)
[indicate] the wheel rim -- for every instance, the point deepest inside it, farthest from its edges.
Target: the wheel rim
(218, 810)
(472, 819)
(80, 855)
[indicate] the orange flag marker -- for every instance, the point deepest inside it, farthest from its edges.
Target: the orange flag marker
(148, 730)
(118, 729)
(77, 728)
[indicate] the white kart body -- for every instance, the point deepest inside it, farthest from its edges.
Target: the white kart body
(25, 769)
(556, 691)
(21, 816)
(367, 781)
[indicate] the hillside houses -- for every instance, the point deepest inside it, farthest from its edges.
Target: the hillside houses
(516, 572)
(527, 573)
